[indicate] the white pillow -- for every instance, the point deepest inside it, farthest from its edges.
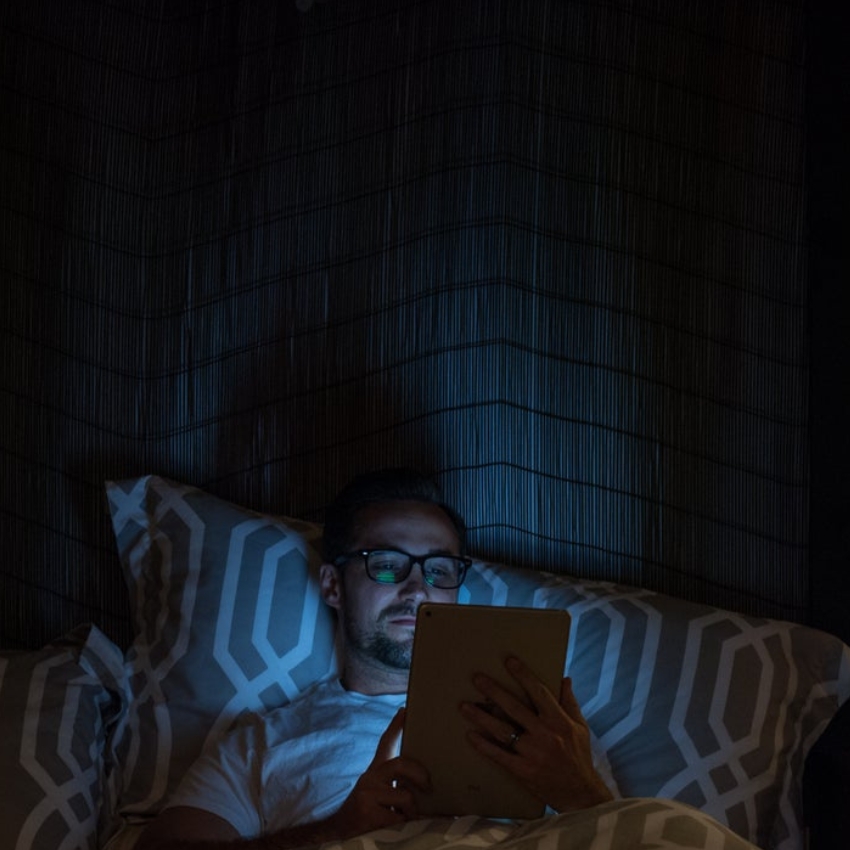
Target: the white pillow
(227, 616)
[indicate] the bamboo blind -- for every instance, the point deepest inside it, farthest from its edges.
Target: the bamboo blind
(551, 250)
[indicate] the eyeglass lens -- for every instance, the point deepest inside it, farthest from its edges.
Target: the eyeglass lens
(389, 567)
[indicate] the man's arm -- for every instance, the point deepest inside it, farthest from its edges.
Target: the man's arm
(187, 828)
(550, 753)
(381, 797)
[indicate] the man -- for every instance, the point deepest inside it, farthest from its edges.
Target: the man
(326, 767)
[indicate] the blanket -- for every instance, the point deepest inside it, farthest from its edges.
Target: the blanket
(632, 824)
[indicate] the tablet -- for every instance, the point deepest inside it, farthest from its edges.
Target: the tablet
(451, 643)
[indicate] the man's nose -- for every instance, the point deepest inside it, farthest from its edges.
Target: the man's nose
(415, 582)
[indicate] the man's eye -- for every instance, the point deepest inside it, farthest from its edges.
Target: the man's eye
(441, 568)
(384, 566)
(385, 576)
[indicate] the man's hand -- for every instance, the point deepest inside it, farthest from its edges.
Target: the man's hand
(546, 747)
(384, 793)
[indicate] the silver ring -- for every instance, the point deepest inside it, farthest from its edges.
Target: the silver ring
(512, 741)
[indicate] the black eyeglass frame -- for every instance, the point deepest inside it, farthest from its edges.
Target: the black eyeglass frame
(412, 560)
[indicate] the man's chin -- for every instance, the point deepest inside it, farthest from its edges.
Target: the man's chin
(392, 653)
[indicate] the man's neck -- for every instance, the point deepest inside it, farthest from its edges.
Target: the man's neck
(373, 680)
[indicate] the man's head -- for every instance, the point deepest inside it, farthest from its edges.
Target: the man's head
(344, 517)
(372, 526)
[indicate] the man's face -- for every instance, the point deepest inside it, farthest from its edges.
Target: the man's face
(378, 620)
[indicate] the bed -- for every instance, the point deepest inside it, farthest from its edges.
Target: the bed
(702, 718)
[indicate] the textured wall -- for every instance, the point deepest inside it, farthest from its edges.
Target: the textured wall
(553, 251)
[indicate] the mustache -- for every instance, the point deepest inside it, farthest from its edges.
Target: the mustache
(404, 609)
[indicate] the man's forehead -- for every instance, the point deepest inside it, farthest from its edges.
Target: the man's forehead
(400, 523)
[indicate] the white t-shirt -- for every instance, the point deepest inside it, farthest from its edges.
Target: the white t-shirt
(293, 765)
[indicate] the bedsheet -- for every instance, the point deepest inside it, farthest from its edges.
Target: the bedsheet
(619, 825)
(629, 824)
(639, 823)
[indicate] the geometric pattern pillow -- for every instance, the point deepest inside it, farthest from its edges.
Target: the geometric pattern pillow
(691, 702)
(685, 701)
(57, 708)
(227, 618)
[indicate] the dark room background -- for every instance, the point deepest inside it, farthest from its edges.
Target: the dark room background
(583, 260)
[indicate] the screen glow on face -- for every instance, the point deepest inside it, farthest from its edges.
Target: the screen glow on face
(392, 566)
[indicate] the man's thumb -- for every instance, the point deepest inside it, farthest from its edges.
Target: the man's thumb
(388, 746)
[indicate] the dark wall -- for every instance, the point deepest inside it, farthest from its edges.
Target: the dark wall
(828, 97)
(554, 250)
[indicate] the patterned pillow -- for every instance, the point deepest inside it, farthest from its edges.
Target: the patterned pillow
(227, 616)
(691, 702)
(57, 707)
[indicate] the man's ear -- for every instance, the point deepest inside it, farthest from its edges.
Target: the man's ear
(330, 585)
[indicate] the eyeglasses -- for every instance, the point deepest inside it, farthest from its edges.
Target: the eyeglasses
(390, 566)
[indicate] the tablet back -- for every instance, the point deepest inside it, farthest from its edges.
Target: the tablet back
(451, 644)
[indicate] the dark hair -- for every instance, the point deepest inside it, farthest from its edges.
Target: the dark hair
(384, 485)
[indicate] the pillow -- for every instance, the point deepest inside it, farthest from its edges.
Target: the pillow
(57, 708)
(228, 618)
(692, 702)
(687, 701)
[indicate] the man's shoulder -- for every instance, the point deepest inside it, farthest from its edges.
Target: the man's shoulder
(324, 692)
(325, 697)
(330, 695)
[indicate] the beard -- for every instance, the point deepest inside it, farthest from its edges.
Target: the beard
(390, 653)
(376, 645)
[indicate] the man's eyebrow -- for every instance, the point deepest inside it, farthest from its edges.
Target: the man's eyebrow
(438, 552)
(394, 548)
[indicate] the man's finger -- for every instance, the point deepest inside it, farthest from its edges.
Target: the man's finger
(495, 752)
(399, 771)
(520, 713)
(510, 704)
(541, 697)
(569, 702)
